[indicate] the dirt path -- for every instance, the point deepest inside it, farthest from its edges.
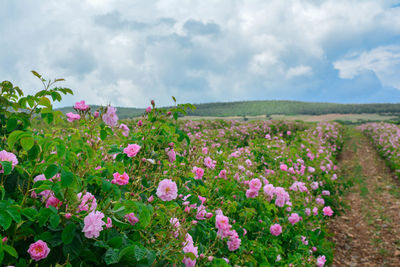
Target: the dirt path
(368, 232)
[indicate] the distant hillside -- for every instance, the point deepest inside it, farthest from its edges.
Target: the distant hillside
(270, 107)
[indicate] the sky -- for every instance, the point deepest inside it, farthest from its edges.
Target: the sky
(127, 52)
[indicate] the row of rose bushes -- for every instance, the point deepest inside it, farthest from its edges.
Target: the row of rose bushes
(386, 138)
(158, 191)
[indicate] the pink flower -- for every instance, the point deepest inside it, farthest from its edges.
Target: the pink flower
(204, 150)
(96, 114)
(209, 163)
(269, 191)
(109, 223)
(150, 199)
(222, 222)
(38, 250)
(40, 177)
(199, 172)
(140, 123)
(93, 224)
(88, 202)
(327, 211)
(250, 193)
(148, 109)
(120, 179)
(321, 261)
(189, 248)
(294, 218)
(249, 163)
(131, 150)
(222, 174)
(233, 242)
(320, 201)
(8, 156)
(81, 106)
(167, 190)
(282, 196)
(132, 219)
(72, 117)
(53, 201)
(283, 167)
(275, 229)
(171, 154)
(110, 117)
(125, 129)
(68, 216)
(255, 184)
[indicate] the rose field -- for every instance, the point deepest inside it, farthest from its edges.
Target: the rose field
(88, 189)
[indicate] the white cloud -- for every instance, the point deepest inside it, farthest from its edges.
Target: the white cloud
(384, 61)
(299, 71)
(127, 52)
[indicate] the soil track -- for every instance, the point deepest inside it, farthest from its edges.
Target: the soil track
(368, 232)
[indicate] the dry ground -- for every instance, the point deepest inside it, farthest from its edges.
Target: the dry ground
(368, 232)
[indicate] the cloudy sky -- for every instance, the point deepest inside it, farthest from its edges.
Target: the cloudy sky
(126, 52)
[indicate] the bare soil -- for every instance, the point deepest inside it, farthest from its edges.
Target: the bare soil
(368, 231)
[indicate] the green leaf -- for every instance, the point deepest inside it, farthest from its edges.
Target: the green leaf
(36, 74)
(115, 242)
(140, 253)
(13, 138)
(6, 166)
(54, 220)
(68, 233)
(44, 215)
(34, 152)
(5, 219)
(67, 178)
(11, 124)
(30, 213)
(50, 171)
(14, 213)
(127, 252)
(44, 101)
(10, 250)
(27, 142)
(60, 150)
(111, 256)
(103, 134)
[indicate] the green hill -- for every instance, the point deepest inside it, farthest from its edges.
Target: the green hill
(269, 107)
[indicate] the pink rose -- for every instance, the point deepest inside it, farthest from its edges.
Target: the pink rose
(81, 106)
(8, 156)
(327, 211)
(167, 190)
(132, 219)
(132, 149)
(72, 117)
(93, 224)
(120, 179)
(38, 250)
(275, 229)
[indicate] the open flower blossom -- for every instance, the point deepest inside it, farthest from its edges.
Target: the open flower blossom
(38, 250)
(209, 163)
(167, 190)
(131, 218)
(321, 261)
(198, 172)
(72, 116)
(110, 117)
(8, 156)
(255, 184)
(81, 106)
(88, 202)
(93, 224)
(294, 218)
(189, 248)
(132, 150)
(171, 154)
(327, 211)
(125, 129)
(275, 229)
(120, 179)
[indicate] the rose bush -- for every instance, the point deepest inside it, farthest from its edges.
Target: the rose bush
(87, 191)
